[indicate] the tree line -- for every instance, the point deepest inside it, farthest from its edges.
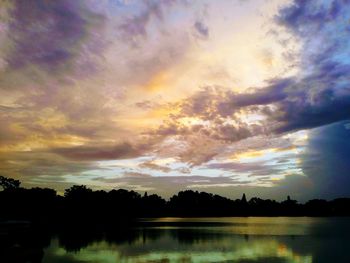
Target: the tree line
(83, 205)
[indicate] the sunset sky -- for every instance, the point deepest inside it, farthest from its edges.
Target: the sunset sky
(222, 96)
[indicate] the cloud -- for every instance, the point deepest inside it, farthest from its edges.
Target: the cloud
(201, 29)
(322, 95)
(102, 152)
(184, 170)
(317, 96)
(132, 174)
(325, 107)
(51, 34)
(301, 16)
(40, 168)
(135, 27)
(259, 168)
(147, 104)
(154, 166)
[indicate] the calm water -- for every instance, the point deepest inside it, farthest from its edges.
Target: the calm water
(243, 240)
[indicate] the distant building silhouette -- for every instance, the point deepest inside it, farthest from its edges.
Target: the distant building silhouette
(244, 199)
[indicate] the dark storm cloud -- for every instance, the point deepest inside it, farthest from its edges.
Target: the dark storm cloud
(322, 96)
(274, 93)
(318, 99)
(49, 33)
(303, 114)
(313, 14)
(326, 160)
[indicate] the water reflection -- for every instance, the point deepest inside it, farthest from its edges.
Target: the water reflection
(169, 249)
(244, 240)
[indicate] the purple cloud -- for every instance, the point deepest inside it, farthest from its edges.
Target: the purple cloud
(50, 33)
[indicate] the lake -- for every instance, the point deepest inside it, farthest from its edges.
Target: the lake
(244, 240)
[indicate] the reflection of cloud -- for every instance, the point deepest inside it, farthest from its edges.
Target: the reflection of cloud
(229, 244)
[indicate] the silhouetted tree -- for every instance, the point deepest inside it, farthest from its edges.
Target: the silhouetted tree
(9, 183)
(317, 207)
(290, 207)
(84, 206)
(77, 191)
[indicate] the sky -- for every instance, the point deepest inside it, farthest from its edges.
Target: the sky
(224, 96)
